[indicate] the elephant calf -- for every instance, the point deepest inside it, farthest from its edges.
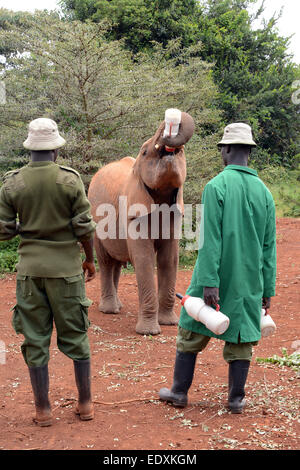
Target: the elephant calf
(125, 195)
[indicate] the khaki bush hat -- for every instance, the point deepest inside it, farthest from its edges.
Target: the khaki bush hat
(238, 133)
(43, 135)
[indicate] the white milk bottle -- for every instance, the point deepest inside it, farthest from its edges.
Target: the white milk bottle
(172, 122)
(267, 325)
(214, 320)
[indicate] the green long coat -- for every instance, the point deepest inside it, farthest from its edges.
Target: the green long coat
(238, 254)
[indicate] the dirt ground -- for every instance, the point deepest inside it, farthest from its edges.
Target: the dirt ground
(128, 370)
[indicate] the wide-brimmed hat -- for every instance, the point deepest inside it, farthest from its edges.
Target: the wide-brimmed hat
(43, 135)
(238, 133)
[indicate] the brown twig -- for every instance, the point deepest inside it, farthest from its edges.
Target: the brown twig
(19, 432)
(161, 382)
(69, 401)
(162, 367)
(72, 400)
(121, 402)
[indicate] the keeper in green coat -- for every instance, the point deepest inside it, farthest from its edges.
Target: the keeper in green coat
(235, 268)
(46, 205)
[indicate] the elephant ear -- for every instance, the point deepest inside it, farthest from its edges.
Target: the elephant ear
(137, 194)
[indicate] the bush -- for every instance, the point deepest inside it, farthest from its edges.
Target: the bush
(9, 255)
(284, 186)
(8, 164)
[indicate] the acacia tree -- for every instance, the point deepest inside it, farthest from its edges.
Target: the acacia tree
(90, 80)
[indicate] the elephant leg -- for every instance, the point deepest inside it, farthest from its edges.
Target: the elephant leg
(143, 258)
(116, 278)
(109, 299)
(167, 264)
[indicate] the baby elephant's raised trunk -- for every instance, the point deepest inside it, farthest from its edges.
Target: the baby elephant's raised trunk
(186, 130)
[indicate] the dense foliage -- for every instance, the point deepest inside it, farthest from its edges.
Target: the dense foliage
(252, 69)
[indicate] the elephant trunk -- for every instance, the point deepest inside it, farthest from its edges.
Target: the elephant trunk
(186, 130)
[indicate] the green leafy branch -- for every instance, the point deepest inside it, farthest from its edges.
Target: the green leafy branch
(292, 360)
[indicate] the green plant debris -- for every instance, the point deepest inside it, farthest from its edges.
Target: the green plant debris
(292, 360)
(188, 423)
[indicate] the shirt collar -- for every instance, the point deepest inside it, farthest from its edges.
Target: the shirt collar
(46, 163)
(245, 169)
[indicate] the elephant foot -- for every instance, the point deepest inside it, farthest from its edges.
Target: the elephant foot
(169, 318)
(110, 305)
(144, 327)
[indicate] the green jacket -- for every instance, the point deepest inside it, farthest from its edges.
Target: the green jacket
(238, 254)
(53, 214)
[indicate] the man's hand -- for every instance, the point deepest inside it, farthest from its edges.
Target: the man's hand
(89, 265)
(266, 302)
(91, 270)
(211, 295)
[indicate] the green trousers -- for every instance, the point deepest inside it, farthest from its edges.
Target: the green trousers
(44, 301)
(188, 341)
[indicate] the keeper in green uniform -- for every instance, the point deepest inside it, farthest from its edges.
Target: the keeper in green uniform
(46, 205)
(235, 268)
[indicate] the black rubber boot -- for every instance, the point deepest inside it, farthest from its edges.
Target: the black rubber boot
(182, 380)
(39, 378)
(85, 407)
(237, 377)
